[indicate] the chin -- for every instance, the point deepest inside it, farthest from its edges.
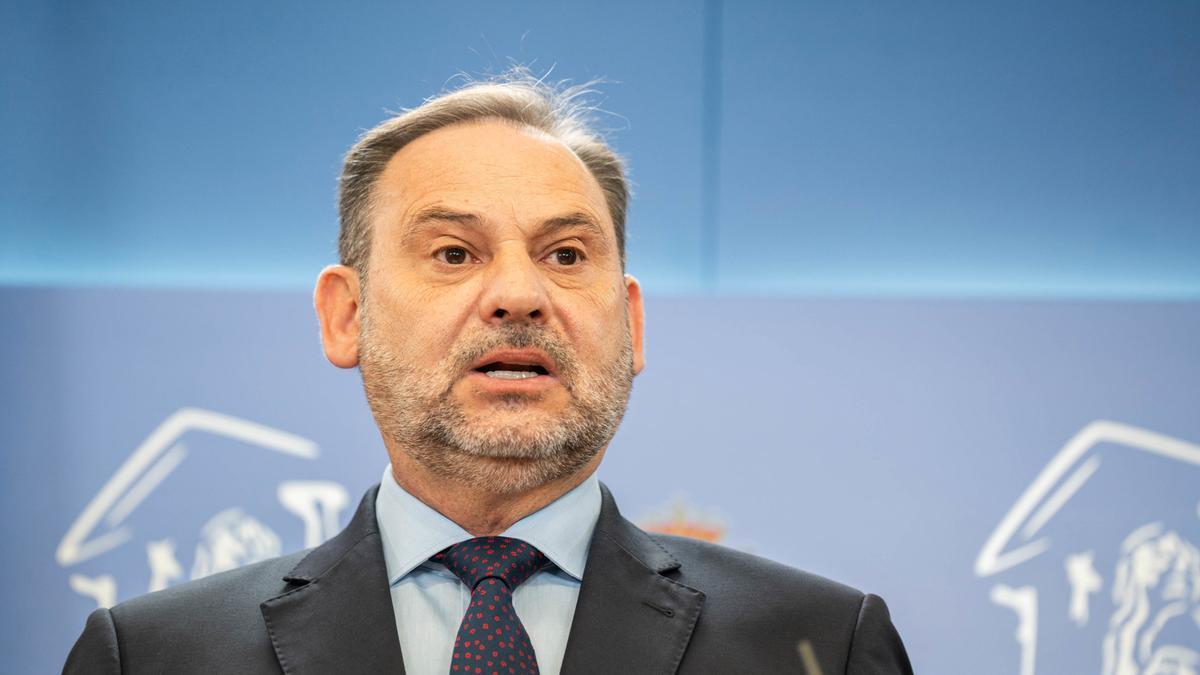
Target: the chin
(526, 440)
(515, 416)
(514, 475)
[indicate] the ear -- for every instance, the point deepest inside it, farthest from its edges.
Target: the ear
(637, 322)
(336, 301)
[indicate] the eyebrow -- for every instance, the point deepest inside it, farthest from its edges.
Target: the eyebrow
(573, 219)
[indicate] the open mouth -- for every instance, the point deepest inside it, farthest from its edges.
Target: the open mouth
(502, 370)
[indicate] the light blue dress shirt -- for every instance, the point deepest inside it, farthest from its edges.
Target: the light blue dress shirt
(429, 601)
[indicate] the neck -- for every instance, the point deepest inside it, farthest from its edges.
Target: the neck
(476, 508)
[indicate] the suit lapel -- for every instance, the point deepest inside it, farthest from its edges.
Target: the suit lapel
(630, 617)
(336, 615)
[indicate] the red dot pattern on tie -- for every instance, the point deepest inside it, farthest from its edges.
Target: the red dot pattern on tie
(491, 639)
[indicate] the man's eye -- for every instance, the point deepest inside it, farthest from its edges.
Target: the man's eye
(453, 255)
(566, 256)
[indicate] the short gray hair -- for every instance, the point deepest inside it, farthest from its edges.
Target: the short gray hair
(558, 111)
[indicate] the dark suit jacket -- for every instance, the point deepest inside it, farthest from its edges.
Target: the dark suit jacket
(648, 604)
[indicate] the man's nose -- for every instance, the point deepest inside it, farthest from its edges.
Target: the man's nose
(514, 290)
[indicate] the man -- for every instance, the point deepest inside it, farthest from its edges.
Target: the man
(482, 295)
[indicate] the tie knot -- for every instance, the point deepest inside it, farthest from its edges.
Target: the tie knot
(512, 561)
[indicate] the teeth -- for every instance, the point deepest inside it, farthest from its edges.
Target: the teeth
(511, 374)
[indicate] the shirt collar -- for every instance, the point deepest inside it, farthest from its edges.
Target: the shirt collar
(412, 532)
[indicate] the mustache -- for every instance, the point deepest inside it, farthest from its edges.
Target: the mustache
(518, 336)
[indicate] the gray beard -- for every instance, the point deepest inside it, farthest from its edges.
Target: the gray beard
(416, 412)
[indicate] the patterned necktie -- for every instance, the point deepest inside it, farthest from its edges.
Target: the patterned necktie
(491, 639)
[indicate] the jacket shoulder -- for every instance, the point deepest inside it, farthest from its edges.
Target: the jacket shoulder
(207, 623)
(756, 608)
(760, 611)
(723, 570)
(225, 591)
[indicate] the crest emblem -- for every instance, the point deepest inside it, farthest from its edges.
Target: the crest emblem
(686, 521)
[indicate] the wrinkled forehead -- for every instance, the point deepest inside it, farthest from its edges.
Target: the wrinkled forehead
(499, 168)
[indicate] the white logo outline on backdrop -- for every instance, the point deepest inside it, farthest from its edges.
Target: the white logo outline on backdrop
(1054, 486)
(316, 503)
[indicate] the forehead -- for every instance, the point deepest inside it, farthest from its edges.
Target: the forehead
(495, 167)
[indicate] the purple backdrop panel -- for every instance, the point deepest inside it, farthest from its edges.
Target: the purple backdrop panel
(1018, 480)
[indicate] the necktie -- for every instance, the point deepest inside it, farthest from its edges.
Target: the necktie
(491, 639)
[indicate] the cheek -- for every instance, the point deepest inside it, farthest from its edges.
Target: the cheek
(595, 325)
(424, 324)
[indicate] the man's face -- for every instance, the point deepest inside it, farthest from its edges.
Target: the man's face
(496, 344)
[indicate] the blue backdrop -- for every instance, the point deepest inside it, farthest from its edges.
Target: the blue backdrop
(1031, 149)
(948, 255)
